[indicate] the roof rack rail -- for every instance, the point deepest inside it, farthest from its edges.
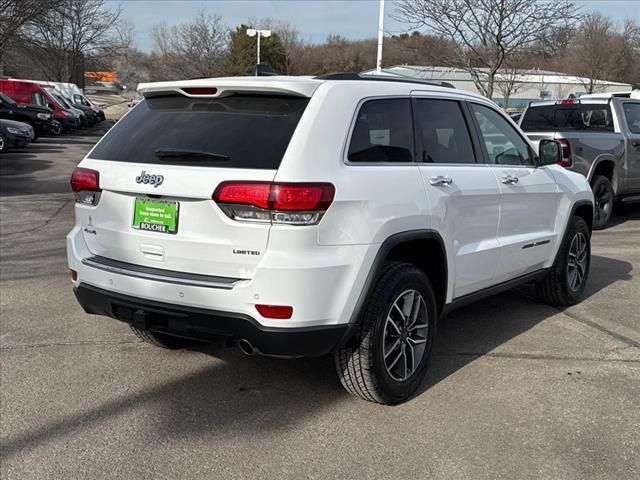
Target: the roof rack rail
(381, 78)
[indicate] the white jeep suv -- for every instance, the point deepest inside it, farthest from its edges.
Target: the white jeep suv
(332, 215)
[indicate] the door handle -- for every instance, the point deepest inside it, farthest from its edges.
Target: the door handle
(440, 181)
(510, 180)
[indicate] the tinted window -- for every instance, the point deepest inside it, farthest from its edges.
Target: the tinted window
(632, 114)
(39, 99)
(567, 117)
(253, 131)
(383, 132)
(445, 136)
(504, 144)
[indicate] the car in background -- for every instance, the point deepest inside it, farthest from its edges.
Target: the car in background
(40, 118)
(30, 92)
(600, 138)
(14, 134)
(79, 114)
(76, 96)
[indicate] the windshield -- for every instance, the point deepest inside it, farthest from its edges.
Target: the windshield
(7, 100)
(237, 131)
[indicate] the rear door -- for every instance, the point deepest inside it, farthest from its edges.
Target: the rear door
(463, 194)
(159, 166)
(529, 196)
(632, 119)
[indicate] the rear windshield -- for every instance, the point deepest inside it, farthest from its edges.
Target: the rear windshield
(241, 131)
(567, 117)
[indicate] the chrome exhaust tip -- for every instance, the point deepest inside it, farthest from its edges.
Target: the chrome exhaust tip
(246, 347)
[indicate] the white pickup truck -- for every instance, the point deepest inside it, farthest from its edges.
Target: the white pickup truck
(600, 138)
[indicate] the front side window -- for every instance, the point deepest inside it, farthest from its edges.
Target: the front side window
(445, 136)
(383, 132)
(632, 114)
(39, 99)
(503, 143)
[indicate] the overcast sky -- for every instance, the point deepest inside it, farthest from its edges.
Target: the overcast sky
(315, 19)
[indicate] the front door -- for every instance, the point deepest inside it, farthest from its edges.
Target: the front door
(527, 231)
(463, 193)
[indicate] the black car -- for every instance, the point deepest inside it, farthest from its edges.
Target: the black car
(39, 117)
(14, 134)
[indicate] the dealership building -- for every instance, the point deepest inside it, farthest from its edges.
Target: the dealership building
(526, 85)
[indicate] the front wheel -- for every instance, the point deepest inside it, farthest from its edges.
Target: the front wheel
(3, 144)
(604, 197)
(56, 128)
(388, 358)
(567, 278)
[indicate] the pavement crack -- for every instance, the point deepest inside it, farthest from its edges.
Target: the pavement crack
(46, 222)
(26, 346)
(622, 338)
(537, 356)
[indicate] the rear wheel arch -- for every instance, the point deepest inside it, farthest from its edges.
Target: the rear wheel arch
(607, 168)
(423, 248)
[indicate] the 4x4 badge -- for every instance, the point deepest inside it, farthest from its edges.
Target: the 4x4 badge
(154, 180)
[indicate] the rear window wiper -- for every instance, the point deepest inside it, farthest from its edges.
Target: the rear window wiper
(186, 153)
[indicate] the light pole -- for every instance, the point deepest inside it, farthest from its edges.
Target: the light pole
(252, 32)
(380, 36)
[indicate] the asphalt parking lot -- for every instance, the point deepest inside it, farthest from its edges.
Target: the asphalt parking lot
(516, 389)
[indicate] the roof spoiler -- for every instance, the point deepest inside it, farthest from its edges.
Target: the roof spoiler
(381, 78)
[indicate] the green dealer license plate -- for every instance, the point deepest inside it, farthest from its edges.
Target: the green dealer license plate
(155, 215)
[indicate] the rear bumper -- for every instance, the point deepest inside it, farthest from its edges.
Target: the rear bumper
(205, 324)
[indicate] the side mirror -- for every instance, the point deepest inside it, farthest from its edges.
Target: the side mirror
(550, 152)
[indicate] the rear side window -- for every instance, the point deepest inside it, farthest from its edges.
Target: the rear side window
(445, 136)
(237, 131)
(383, 132)
(632, 114)
(567, 117)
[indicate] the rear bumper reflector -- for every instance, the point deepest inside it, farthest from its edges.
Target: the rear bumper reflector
(160, 275)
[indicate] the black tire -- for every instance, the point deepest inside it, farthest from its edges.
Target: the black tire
(557, 287)
(4, 145)
(160, 340)
(604, 198)
(35, 133)
(361, 363)
(56, 129)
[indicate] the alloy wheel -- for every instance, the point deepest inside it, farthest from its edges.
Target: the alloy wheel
(405, 335)
(577, 261)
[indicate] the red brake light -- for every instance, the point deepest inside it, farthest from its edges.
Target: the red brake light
(74, 275)
(85, 179)
(85, 184)
(566, 153)
(568, 101)
(278, 312)
(291, 203)
(200, 91)
(245, 193)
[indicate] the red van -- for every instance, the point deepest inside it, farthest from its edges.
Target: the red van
(26, 91)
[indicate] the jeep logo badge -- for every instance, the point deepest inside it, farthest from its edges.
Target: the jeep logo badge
(154, 180)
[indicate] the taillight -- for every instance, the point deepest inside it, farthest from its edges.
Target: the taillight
(566, 153)
(74, 275)
(568, 101)
(278, 312)
(290, 203)
(85, 184)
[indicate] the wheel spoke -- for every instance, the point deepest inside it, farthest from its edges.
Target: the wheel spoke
(413, 357)
(394, 346)
(416, 341)
(416, 327)
(407, 305)
(395, 360)
(399, 310)
(394, 325)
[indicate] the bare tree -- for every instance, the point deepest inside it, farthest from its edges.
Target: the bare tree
(14, 14)
(62, 38)
(594, 52)
(508, 83)
(487, 32)
(192, 49)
